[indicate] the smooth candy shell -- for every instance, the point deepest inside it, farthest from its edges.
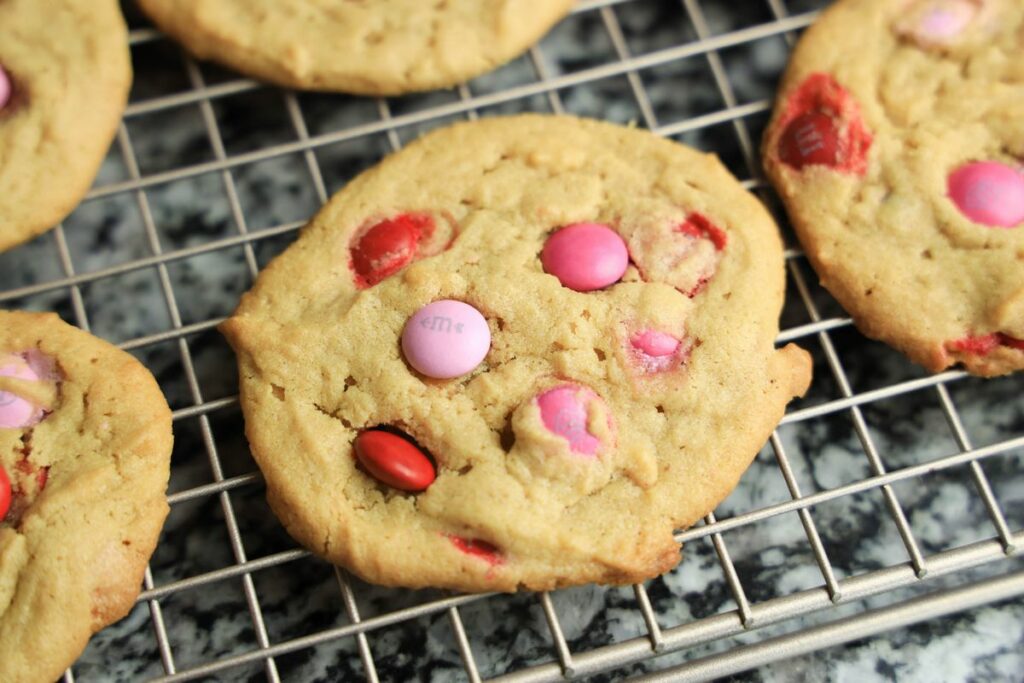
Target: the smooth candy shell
(446, 339)
(810, 139)
(585, 256)
(563, 411)
(5, 88)
(5, 493)
(16, 412)
(392, 460)
(989, 193)
(654, 343)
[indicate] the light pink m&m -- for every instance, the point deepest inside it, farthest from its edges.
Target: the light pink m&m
(16, 412)
(5, 88)
(945, 19)
(585, 256)
(446, 339)
(563, 410)
(989, 192)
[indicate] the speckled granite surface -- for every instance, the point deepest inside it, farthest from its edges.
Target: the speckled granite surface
(193, 217)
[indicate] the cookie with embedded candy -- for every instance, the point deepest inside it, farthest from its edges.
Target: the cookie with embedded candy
(85, 447)
(518, 353)
(65, 72)
(903, 172)
(384, 47)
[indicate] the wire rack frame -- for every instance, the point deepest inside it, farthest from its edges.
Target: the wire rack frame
(1000, 543)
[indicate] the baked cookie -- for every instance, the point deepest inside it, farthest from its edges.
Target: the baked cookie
(518, 353)
(384, 47)
(65, 72)
(85, 445)
(901, 169)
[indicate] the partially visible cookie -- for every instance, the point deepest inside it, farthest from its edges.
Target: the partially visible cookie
(518, 353)
(85, 444)
(383, 47)
(897, 145)
(65, 72)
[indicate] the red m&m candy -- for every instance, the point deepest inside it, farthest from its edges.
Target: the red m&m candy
(811, 138)
(585, 256)
(389, 246)
(394, 461)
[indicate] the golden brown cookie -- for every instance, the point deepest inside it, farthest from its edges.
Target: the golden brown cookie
(85, 445)
(897, 145)
(384, 47)
(65, 72)
(619, 396)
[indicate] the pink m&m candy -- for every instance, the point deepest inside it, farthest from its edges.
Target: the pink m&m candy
(585, 256)
(5, 493)
(989, 192)
(563, 410)
(5, 88)
(654, 343)
(16, 412)
(446, 339)
(945, 19)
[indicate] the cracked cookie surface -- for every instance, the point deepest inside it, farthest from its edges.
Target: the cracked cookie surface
(86, 468)
(598, 421)
(903, 172)
(65, 72)
(382, 47)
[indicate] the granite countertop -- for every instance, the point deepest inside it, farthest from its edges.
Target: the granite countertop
(216, 247)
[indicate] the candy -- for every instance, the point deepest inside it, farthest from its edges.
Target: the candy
(5, 493)
(936, 23)
(389, 246)
(810, 139)
(16, 412)
(563, 410)
(446, 339)
(654, 343)
(985, 344)
(5, 88)
(585, 256)
(989, 193)
(477, 548)
(394, 461)
(822, 126)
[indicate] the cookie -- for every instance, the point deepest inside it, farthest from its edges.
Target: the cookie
(385, 47)
(438, 394)
(65, 72)
(85, 445)
(902, 169)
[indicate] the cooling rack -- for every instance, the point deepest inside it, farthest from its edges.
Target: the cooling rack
(886, 497)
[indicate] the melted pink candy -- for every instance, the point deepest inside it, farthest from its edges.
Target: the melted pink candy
(989, 193)
(655, 343)
(16, 412)
(564, 412)
(5, 88)
(479, 549)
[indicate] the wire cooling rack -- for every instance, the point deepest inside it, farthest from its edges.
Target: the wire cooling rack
(885, 497)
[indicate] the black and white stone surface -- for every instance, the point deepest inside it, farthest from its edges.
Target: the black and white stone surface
(507, 633)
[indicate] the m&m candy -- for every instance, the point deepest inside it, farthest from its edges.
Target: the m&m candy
(585, 256)
(446, 339)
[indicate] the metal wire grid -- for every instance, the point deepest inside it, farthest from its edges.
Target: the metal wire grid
(748, 614)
